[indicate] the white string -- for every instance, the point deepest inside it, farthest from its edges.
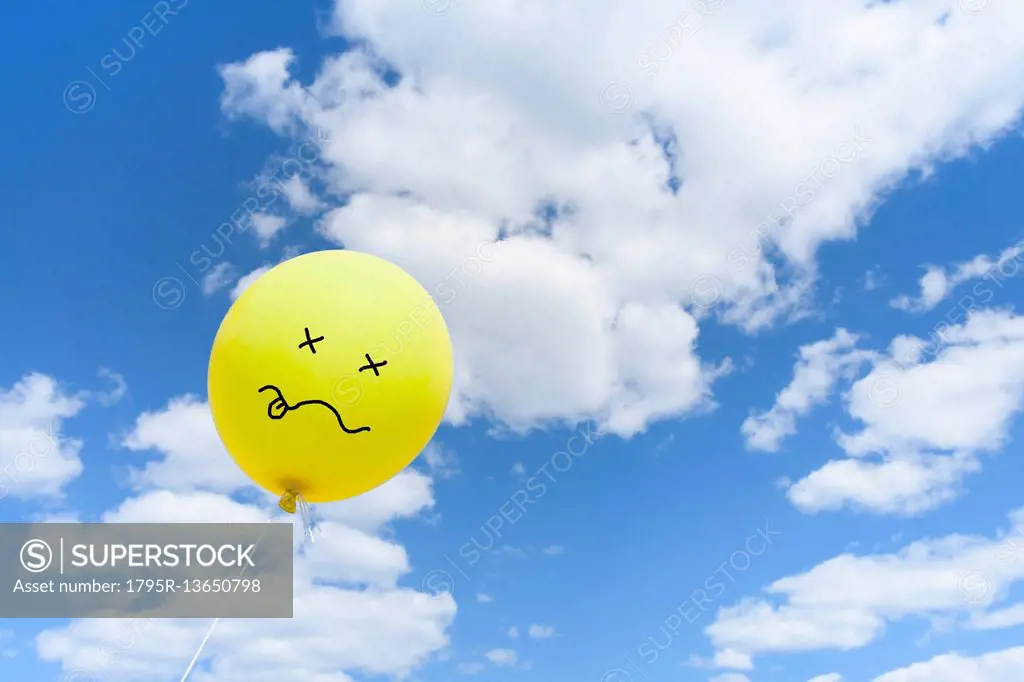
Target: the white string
(199, 651)
(213, 625)
(309, 523)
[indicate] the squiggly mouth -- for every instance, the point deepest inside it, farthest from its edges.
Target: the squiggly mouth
(279, 407)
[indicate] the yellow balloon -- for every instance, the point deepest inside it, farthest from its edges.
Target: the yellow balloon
(329, 375)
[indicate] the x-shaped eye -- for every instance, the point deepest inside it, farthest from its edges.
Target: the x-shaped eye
(373, 365)
(310, 342)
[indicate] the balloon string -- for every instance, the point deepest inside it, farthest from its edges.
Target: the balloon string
(213, 625)
(199, 651)
(309, 524)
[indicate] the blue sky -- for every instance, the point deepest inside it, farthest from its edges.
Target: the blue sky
(727, 400)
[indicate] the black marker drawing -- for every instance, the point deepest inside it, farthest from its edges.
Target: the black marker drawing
(279, 407)
(373, 365)
(309, 342)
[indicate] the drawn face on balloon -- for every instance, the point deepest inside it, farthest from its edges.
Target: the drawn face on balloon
(279, 406)
(329, 375)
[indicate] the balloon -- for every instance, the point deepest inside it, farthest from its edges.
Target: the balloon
(329, 375)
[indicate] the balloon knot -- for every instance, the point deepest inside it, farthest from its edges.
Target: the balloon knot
(287, 501)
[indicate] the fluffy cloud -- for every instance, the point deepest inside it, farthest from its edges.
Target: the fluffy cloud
(622, 204)
(957, 394)
(440, 461)
(928, 409)
(845, 602)
(35, 458)
(164, 506)
(938, 283)
(266, 226)
(998, 618)
(351, 614)
(996, 666)
(372, 632)
(815, 374)
(218, 277)
(907, 484)
(732, 659)
(299, 196)
(193, 456)
(404, 496)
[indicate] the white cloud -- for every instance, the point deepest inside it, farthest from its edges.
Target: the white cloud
(846, 602)
(267, 226)
(513, 632)
(815, 374)
(116, 392)
(518, 469)
(472, 668)
(404, 496)
(553, 550)
(725, 658)
(369, 632)
(441, 461)
(830, 677)
(928, 410)
(997, 666)
(501, 657)
(998, 619)
(35, 458)
(908, 484)
(164, 506)
(299, 196)
(482, 598)
(732, 659)
(193, 456)
(352, 556)
(938, 283)
(962, 399)
(566, 299)
(541, 631)
(245, 280)
(483, 131)
(218, 277)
